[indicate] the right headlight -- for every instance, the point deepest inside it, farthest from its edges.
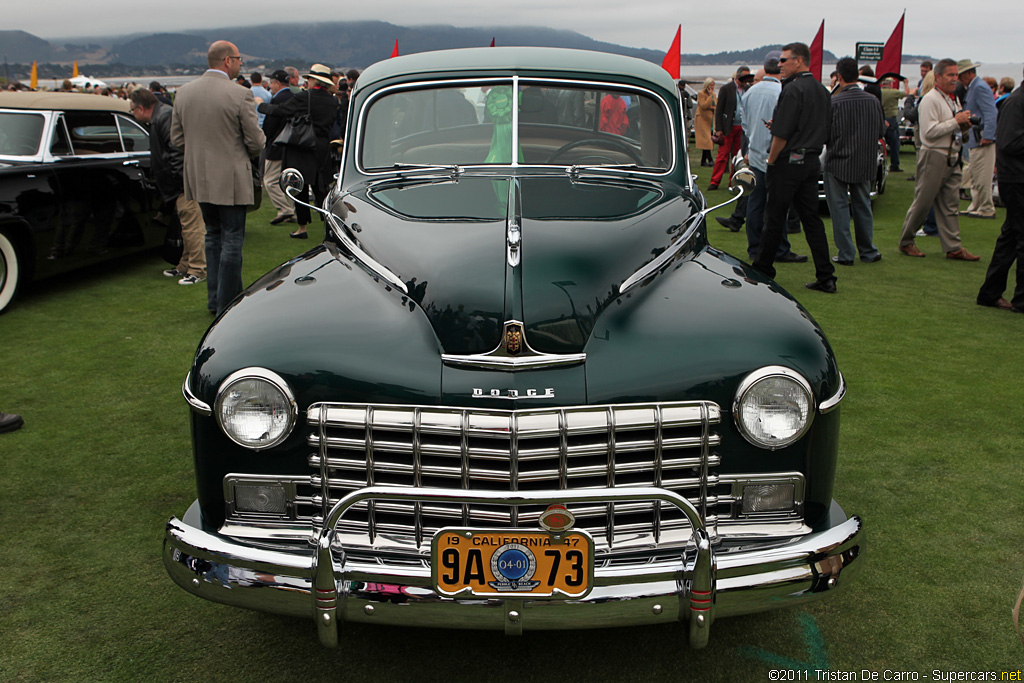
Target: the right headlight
(255, 408)
(774, 407)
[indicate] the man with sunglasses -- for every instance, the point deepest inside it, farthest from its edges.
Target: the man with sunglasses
(800, 128)
(214, 123)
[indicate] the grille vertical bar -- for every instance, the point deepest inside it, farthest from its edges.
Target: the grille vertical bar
(671, 445)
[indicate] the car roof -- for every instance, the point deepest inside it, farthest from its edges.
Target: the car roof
(60, 101)
(507, 59)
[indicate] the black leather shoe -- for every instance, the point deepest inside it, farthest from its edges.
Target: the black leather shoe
(730, 222)
(10, 422)
(792, 257)
(827, 286)
(278, 220)
(836, 259)
(299, 235)
(871, 259)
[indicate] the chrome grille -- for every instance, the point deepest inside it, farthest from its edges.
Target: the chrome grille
(660, 444)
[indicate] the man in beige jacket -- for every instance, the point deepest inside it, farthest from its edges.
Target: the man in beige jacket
(215, 124)
(942, 124)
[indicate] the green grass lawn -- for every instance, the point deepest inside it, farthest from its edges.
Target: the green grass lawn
(931, 458)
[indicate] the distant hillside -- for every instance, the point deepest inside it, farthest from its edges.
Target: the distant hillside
(162, 48)
(339, 44)
(752, 58)
(19, 46)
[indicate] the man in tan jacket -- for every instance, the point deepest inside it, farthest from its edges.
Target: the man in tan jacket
(215, 124)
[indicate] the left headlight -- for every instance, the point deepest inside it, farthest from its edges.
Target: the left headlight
(255, 408)
(774, 407)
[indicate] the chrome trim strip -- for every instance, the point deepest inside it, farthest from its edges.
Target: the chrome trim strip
(357, 252)
(197, 405)
(515, 121)
(831, 403)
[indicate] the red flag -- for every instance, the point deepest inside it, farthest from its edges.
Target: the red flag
(492, 42)
(394, 53)
(817, 48)
(892, 53)
(671, 61)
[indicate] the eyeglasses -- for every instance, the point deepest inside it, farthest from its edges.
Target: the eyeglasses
(783, 60)
(238, 57)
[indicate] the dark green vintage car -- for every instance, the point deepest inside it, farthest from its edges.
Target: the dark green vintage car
(515, 388)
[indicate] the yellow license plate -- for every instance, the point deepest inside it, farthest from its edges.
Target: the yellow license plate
(517, 563)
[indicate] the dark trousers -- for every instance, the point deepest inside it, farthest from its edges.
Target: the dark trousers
(794, 185)
(1009, 246)
(892, 141)
(755, 218)
(225, 233)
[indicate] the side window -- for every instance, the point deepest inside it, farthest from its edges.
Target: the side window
(60, 145)
(93, 132)
(135, 138)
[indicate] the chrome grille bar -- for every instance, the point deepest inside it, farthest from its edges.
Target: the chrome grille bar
(669, 445)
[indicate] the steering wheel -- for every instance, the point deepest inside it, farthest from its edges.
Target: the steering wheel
(613, 143)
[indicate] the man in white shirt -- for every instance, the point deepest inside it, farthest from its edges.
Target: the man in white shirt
(942, 124)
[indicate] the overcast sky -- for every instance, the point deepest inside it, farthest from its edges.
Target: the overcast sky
(983, 30)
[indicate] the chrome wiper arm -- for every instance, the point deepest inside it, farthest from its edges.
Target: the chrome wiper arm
(454, 170)
(576, 170)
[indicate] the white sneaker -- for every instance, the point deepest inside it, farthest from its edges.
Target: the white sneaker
(173, 272)
(190, 280)
(920, 233)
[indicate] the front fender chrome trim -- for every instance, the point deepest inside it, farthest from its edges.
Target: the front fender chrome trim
(197, 405)
(831, 403)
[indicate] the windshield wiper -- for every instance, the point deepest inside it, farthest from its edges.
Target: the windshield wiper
(576, 170)
(453, 170)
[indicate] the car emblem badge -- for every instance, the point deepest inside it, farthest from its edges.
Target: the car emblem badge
(557, 518)
(513, 338)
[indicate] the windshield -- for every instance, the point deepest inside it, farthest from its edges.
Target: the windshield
(558, 124)
(20, 133)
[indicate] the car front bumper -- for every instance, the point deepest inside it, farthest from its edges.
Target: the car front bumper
(699, 585)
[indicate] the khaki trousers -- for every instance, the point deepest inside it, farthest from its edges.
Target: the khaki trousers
(193, 237)
(272, 184)
(979, 175)
(938, 185)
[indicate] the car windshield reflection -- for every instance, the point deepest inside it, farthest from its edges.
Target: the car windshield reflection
(531, 124)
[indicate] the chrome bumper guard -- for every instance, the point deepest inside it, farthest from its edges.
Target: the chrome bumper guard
(696, 586)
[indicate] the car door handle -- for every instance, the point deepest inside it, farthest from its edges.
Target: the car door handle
(131, 162)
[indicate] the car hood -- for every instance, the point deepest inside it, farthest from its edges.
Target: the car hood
(580, 239)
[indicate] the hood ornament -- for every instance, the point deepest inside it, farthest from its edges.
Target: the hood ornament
(513, 353)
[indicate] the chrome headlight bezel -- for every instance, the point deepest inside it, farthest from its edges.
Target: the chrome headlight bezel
(276, 383)
(772, 373)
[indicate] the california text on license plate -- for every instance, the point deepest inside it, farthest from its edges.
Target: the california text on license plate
(516, 563)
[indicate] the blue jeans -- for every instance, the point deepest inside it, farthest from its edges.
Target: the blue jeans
(755, 218)
(842, 199)
(892, 140)
(225, 233)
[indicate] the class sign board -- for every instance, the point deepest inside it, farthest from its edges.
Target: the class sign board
(869, 52)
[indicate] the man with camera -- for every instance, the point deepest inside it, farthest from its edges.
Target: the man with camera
(981, 142)
(942, 124)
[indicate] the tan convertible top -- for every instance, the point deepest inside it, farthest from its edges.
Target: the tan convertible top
(61, 101)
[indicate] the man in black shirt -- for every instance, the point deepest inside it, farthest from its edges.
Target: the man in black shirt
(1010, 244)
(800, 128)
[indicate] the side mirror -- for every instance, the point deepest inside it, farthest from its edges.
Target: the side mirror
(744, 179)
(291, 179)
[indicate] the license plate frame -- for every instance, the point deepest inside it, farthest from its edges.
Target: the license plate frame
(469, 561)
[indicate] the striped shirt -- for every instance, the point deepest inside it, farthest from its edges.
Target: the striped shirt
(857, 123)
